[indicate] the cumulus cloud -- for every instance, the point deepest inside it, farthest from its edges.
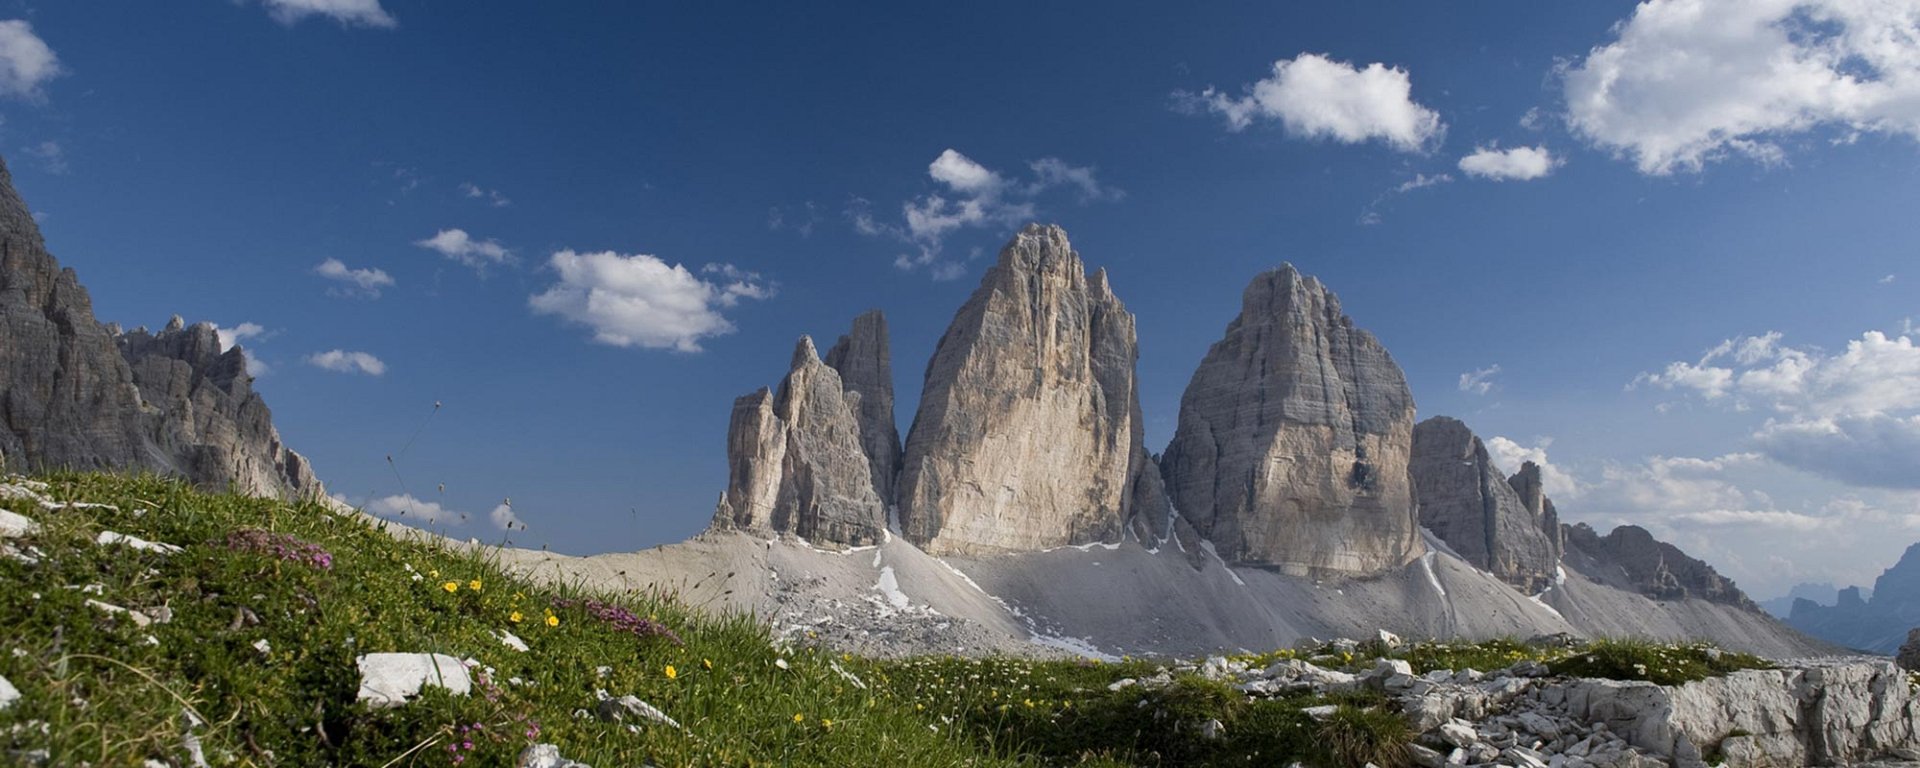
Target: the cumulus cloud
(1688, 82)
(971, 195)
(1479, 381)
(492, 197)
(503, 517)
(231, 336)
(408, 508)
(349, 13)
(1853, 416)
(365, 283)
(1509, 455)
(459, 246)
(343, 361)
(1315, 97)
(640, 301)
(1512, 164)
(26, 61)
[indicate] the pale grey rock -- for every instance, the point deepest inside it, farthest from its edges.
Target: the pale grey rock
(795, 461)
(1481, 515)
(114, 538)
(1028, 432)
(545, 756)
(390, 679)
(78, 394)
(14, 525)
(8, 694)
(1294, 437)
(631, 707)
(865, 364)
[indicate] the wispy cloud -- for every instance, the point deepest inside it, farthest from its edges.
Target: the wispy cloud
(349, 13)
(491, 196)
(343, 361)
(26, 61)
(1512, 164)
(459, 246)
(1479, 381)
(358, 283)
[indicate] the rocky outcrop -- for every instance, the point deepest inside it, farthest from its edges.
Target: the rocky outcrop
(1631, 558)
(1505, 526)
(76, 394)
(1294, 438)
(203, 419)
(795, 463)
(866, 370)
(1028, 431)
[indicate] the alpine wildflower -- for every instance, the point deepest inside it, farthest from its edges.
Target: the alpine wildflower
(552, 620)
(799, 718)
(515, 617)
(672, 674)
(474, 585)
(708, 663)
(451, 587)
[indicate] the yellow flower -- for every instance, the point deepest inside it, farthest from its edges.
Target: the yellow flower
(708, 663)
(552, 620)
(826, 723)
(451, 587)
(672, 674)
(474, 585)
(799, 718)
(515, 617)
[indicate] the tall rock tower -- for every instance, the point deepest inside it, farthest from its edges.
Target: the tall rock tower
(1294, 436)
(1028, 432)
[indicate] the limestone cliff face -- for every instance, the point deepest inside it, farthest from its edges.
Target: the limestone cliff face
(75, 394)
(795, 461)
(1294, 437)
(1507, 528)
(1028, 432)
(1631, 558)
(865, 365)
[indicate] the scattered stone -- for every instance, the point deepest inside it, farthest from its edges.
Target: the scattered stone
(1390, 640)
(139, 619)
(1213, 730)
(1459, 734)
(545, 756)
(1321, 712)
(13, 525)
(619, 710)
(265, 648)
(390, 679)
(110, 538)
(511, 641)
(8, 694)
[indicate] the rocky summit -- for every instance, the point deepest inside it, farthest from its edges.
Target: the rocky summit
(1630, 558)
(78, 394)
(865, 365)
(1506, 526)
(1294, 438)
(795, 461)
(1028, 433)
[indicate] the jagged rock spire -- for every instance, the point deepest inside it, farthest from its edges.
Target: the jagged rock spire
(1028, 431)
(1507, 527)
(865, 366)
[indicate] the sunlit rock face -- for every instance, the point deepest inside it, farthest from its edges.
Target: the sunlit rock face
(1505, 526)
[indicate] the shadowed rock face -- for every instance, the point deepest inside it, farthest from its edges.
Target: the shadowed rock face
(795, 461)
(1028, 432)
(1507, 527)
(866, 370)
(1294, 438)
(1631, 558)
(78, 395)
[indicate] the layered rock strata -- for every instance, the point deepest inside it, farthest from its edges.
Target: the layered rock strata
(76, 394)
(1631, 558)
(1294, 438)
(1028, 431)
(865, 365)
(1506, 526)
(795, 461)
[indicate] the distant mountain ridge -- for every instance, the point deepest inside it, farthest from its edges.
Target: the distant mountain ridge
(1876, 621)
(77, 394)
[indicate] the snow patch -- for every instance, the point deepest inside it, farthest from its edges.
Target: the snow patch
(1078, 646)
(1207, 545)
(1426, 564)
(890, 588)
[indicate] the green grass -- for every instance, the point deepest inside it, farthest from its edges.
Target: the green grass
(1662, 663)
(97, 689)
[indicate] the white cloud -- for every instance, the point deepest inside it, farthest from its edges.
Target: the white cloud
(972, 196)
(491, 196)
(410, 509)
(50, 155)
(641, 301)
(365, 282)
(1479, 381)
(1688, 82)
(1888, 280)
(231, 336)
(350, 13)
(1509, 456)
(348, 362)
(1512, 164)
(1316, 97)
(503, 517)
(1852, 416)
(26, 62)
(1421, 181)
(457, 245)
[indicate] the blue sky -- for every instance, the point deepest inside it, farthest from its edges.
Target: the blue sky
(408, 202)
